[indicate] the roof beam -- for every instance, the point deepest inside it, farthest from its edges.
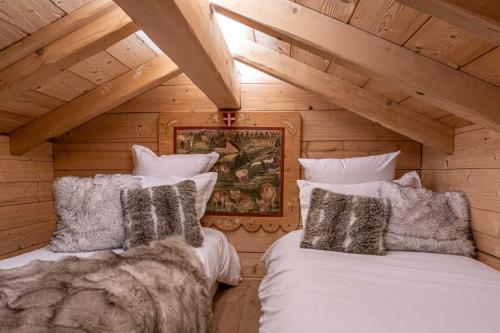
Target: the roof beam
(94, 37)
(342, 93)
(187, 32)
(90, 105)
(450, 89)
(480, 17)
(54, 31)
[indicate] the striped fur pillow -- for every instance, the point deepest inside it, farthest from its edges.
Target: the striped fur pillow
(161, 211)
(345, 223)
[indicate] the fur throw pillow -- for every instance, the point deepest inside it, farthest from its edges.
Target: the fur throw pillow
(89, 211)
(427, 221)
(161, 211)
(345, 223)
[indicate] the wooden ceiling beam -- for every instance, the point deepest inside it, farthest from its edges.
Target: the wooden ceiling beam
(90, 105)
(54, 31)
(187, 32)
(351, 97)
(456, 92)
(480, 17)
(39, 66)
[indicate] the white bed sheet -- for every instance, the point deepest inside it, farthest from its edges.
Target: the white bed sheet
(403, 292)
(219, 259)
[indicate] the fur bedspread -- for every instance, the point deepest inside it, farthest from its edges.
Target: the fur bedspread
(157, 288)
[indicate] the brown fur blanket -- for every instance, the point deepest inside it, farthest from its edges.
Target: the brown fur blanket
(156, 288)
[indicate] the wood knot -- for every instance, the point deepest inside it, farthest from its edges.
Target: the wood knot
(40, 51)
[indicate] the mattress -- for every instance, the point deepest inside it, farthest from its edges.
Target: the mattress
(219, 259)
(321, 291)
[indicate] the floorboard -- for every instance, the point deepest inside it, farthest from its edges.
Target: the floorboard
(237, 309)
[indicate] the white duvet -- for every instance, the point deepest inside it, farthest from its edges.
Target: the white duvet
(219, 259)
(311, 291)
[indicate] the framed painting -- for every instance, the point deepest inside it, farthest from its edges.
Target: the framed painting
(257, 166)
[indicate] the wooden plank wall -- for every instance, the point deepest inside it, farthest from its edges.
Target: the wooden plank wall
(26, 212)
(103, 145)
(475, 169)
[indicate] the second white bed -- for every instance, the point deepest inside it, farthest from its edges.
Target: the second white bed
(321, 291)
(219, 259)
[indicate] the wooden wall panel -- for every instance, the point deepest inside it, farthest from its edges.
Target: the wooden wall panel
(489, 260)
(473, 168)
(280, 97)
(26, 210)
(254, 97)
(342, 125)
(111, 128)
(103, 145)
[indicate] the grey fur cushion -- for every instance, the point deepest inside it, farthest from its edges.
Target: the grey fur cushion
(90, 215)
(427, 221)
(345, 223)
(161, 211)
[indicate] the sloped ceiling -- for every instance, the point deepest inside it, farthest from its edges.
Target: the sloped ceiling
(387, 19)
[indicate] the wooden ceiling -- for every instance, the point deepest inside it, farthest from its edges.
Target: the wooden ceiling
(31, 18)
(83, 64)
(404, 26)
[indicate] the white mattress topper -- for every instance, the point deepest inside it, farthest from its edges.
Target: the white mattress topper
(317, 291)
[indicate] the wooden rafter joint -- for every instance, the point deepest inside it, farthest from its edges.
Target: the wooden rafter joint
(351, 97)
(92, 104)
(453, 91)
(108, 26)
(193, 41)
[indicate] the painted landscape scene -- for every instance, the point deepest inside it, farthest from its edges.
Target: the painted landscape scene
(249, 167)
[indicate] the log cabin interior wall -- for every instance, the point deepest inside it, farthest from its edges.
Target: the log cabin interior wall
(103, 145)
(26, 210)
(64, 81)
(474, 168)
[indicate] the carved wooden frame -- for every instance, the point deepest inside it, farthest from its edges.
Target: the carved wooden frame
(290, 121)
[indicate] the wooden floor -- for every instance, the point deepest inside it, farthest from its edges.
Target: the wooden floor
(237, 309)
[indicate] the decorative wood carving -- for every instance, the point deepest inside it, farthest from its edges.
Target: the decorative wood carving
(290, 122)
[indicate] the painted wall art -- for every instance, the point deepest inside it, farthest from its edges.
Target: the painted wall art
(250, 167)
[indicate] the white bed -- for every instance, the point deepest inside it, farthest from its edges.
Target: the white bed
(320, 291)
(220, 260)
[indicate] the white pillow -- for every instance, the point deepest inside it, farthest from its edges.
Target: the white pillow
(147, 163)
(204, 186)
(410, 179)
(350, 170)
(369, 189)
